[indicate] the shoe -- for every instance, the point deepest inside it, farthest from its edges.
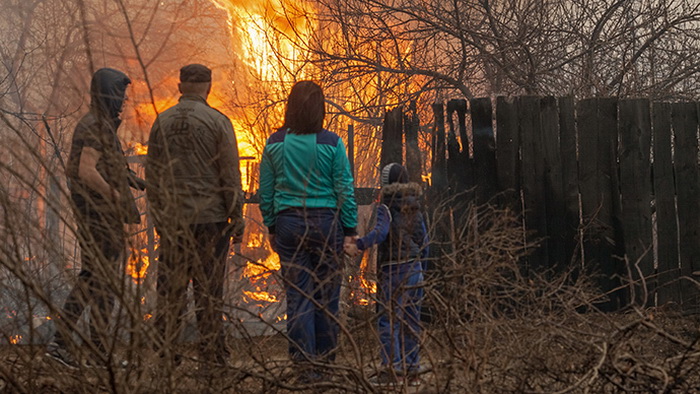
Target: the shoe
(412, 380)
(412, 376)
(305, 375)
(385, 378)
(100, 363)
(62, 355)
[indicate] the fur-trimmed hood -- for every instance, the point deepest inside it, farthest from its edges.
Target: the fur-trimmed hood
(404, 189)
(402, 195)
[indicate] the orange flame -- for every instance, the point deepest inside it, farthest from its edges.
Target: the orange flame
(138, 149)
(15, 339)
(259, 271)
(137, 265)
(260, 295)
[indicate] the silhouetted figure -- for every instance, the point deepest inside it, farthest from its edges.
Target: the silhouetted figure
(99, 179)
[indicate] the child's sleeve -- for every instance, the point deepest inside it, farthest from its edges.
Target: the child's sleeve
(380, 230)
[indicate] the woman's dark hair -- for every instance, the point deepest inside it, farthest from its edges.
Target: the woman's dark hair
(305, 108)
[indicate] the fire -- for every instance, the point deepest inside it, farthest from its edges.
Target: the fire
(138, 263)
(366, 287)
(261, 270)
(260, 295)
(267, 36)
(258, 272)
(138, 149)
(267, 29)
(15, 339)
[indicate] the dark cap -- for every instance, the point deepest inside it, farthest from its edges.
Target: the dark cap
(393, 173)
(195, 73)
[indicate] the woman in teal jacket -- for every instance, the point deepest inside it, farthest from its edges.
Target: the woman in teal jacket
(308, 205)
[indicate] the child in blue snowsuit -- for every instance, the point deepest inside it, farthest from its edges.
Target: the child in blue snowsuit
(401, 234)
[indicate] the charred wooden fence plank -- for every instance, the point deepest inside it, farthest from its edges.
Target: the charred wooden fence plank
(569, 169)
(668, 285)
(392, 138)
(508, 152)
(484, 149)
(635, 187)
(596, 119)
(553, 184)
(532, 165)
(684, 120)
(411, 125)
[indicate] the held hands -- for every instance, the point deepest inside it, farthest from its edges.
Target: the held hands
(350, 246)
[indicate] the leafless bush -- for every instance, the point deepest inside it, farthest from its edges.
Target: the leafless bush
(493, 327)
(497, 328)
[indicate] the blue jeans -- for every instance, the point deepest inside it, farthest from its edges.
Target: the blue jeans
(400, 295)
(310, 243)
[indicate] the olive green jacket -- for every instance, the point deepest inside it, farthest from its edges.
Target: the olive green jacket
(192, 167)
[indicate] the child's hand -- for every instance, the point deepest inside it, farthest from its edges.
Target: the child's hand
(351, 249)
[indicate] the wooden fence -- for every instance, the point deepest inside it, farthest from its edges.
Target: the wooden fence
(601, 182)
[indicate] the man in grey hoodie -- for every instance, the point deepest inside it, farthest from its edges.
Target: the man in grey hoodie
(99, 179)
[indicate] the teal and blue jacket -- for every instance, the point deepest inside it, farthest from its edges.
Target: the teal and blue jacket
(306, 171)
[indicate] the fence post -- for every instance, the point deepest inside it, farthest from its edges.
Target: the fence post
(351, 148)
(669, 289)
(439, 177)
(635, 188)
(597, 128)
(392, 138)
(459, 166)
(484, 149)
(553, 184)
(413, 158)
(568, 146)
(684, 118)
(508, 152)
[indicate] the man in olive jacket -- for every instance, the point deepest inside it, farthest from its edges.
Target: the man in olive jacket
(195, 196)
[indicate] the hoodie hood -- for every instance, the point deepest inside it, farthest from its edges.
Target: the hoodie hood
(107, 91)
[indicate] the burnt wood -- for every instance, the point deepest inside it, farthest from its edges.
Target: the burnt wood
(635, 188)
(484, 149)
(668, 286)
(413, 155)
(596, 119)
(351, 149)
(533, 181)
(569, 173)
(439, 175)
(456, 168)
(392, 138)
(684, 120)
(508, 153)
(553, 184)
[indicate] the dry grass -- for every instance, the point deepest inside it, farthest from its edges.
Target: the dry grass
(493, 327)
